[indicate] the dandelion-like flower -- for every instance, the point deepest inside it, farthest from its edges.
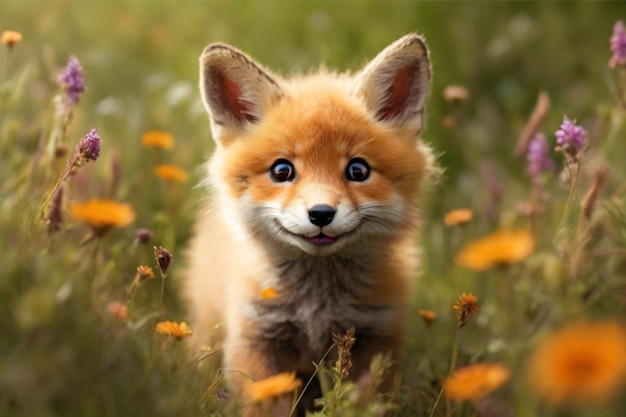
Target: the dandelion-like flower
(174, 329)
(467, 307)
(73, 80)
(102, 215)
(571, 137)
(10, 38)
(428, 316)
(143, 274)
(475, 381)
(538, 159)
(89, 146)
(171, 173)
(458, 217)
(157, 139)
(618, 45)
(268, 293)
(584, 363)
(273, 386)
(501, 248)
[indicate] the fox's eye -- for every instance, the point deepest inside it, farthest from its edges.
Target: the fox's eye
(357, 170)
(282, 170)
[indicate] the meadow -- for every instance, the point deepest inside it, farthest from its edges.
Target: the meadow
(520, 303)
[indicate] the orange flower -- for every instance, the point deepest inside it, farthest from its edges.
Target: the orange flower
(171, 173)
(118, 310)
(584, 363)
(157, 139)
(457, 217)
(171, 328)
(10, 38)
(500, 248)
(273, 386)
(467, 307)
(428, 316)
(102, 215)
(475, 381)
(268, 293)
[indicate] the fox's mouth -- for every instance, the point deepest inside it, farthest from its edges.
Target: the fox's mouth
(322, 239)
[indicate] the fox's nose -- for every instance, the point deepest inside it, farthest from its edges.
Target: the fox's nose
(321, 215)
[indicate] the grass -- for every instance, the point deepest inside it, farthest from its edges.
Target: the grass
(62, 351)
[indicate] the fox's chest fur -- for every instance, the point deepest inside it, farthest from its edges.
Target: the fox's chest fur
(315, 183)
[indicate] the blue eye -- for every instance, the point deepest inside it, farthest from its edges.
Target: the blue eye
(282, 170)
(357, 170)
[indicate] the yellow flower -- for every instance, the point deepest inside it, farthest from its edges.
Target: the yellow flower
(467, 306)
(584, 363)
(273, 386)
(171, 173)
(457, 217)
(503, 247)
(102, 215)
(158, 139)
(475, 381)
(268, 293)
(10, 38)
(171, 328)
(428, 316)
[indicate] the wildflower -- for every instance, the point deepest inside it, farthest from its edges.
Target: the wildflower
(163, 258)
(73, 80)
(458, 217)
(143, 274)
(618, 45)
(158, 139)
(584, 363)
(503, 247)
(475, 381)
(428, 316)
(273, 386)
(467, 307)
(176, 330)
(571, 137)
(10, 38)
(455, 94)
(171, 173)
(344, 343)
(537, 157)
(118, 310)
(268, 293)
(142, 236)
(101, 215)
(88, 146)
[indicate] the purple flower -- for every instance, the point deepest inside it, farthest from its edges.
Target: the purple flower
(618, 44)
(73, 80)
(89, 145)
(143, 235)
(537, 157)
(571, 137)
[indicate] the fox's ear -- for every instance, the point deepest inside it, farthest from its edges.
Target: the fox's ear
(395, 84)
(236, 91)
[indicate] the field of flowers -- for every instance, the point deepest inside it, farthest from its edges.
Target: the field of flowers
(520, 307)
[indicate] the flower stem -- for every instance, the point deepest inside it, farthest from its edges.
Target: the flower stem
(569, 201)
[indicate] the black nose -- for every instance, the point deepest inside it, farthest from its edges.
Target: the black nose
(321, 215)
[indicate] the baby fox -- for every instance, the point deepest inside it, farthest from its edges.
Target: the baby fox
(315, 183)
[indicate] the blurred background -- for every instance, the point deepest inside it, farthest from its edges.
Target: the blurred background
(141, 72)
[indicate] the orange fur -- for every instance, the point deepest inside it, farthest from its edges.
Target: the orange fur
(353, 268)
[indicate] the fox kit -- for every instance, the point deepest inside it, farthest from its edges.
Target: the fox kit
(314, 195)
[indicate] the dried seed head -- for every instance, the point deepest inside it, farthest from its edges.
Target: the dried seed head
(344, 344)
(163, 258)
